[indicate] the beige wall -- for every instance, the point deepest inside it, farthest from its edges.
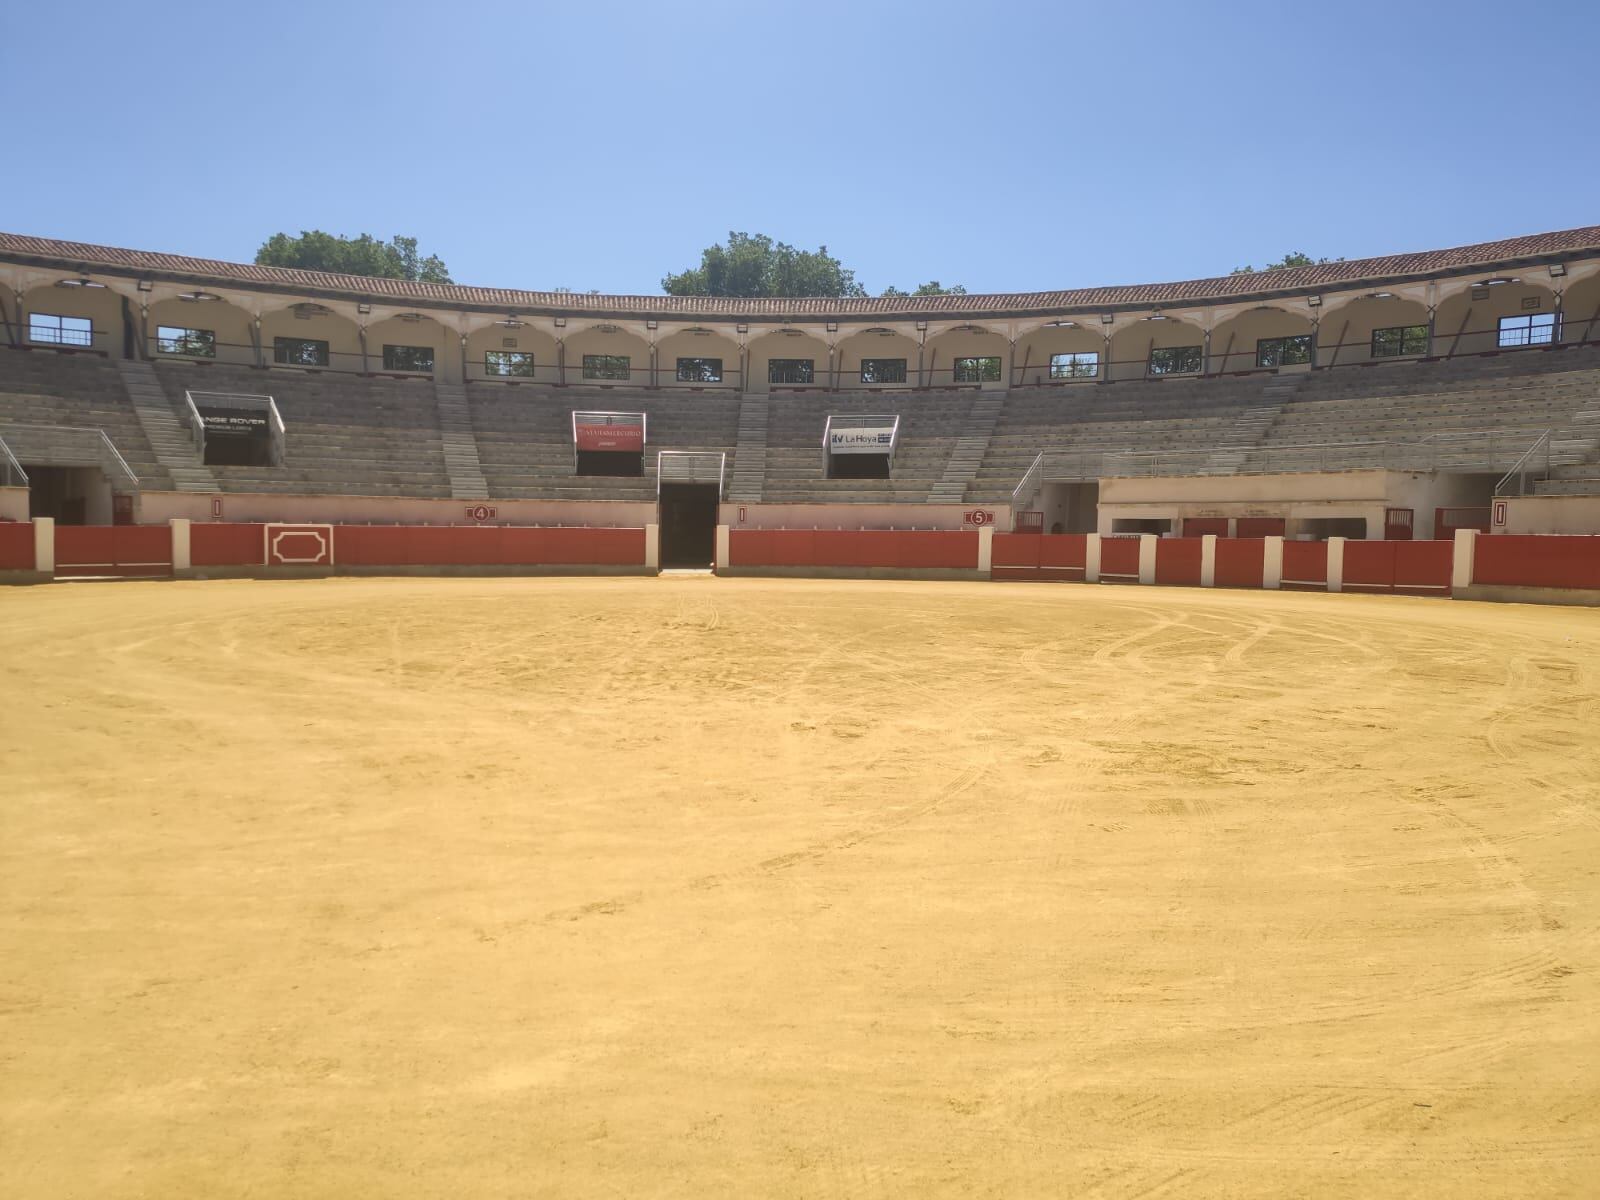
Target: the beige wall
(1552, 514)
(157, 507)
(344, 341)
(1130, 347)
(1482, 316)
(101, 305)
(943, 349)
(784, 345)
(596, 341)
(13, 504)
(709, 344)
(856, 516)
(396, 331)
(527, 340)
(1036, 348)
(1242, 332)
(1352, 325)
(1580, 308)
(873, 345)
(230, 323)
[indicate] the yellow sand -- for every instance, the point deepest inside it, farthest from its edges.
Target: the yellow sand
(693, 887)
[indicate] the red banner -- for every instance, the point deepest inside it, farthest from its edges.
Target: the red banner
(618, 438)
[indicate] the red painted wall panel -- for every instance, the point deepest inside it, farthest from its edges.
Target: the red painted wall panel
(1178, 562)
(1424, 566)
(1063, 551)
(1240, 562)
(1369, 565)
(486, 546)
(16, 546)
(770, 548)
(113, 550)
(854, 548)
(1119, 556)
(224, 544)
(1017, 550)
(1551, 560)
(1305, 562)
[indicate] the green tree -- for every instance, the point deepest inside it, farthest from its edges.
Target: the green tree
(932, 288)
(755, 265)
(1292, 259)
(315, 250)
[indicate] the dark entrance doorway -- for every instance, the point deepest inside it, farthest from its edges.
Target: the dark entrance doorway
(688, 515)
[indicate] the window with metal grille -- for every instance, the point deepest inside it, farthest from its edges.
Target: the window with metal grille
(60, 331)
(1080, 365)
(1531, 329)
(191, 343)
(299, 352)
(977, 370)
(791, 370)
(408, 358)
(1283, 351)
(1399, 340)
(508, 363)
(1175, 360)
(883, 370)
(607, 366)
(699, 370)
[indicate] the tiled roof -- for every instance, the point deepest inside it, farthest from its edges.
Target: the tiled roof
(1391, 267)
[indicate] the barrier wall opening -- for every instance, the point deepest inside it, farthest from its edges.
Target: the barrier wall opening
(70, 495)
(687, 513)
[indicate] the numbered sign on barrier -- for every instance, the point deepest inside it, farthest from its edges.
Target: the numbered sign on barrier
(481, 512)
(978, 517)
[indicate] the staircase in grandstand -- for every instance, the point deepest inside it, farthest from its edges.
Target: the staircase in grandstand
(460, 444)
(750, 459)
(178, 446)
(967, 456)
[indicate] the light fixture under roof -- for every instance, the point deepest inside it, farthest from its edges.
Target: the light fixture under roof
(1156, 317)
(1107, 318)
(197, 297)
(1313, 301)
(1061, 324)
(363, 306)
(81, 282)
(1557, 270)
(1381, 296)
(511, 321)
(1496, 281)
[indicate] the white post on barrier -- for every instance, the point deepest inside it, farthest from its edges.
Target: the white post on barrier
(1208, 560)
(1461, 567)
(1147, 557)
(722, 547)
(182, 559)
(986, 550)
(1336, 564)
(44, 545)
(1272, 562)
(652, 547)
(1091, 558)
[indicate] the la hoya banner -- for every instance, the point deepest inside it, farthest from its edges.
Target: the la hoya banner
(871, 439)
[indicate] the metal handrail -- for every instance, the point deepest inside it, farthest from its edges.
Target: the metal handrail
(11, 472)
(1519, 470)
(110, 458)
(197, 427)
(1028, 486)
(689, 457)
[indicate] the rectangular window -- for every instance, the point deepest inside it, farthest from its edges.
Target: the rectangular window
(883, 370)
(1534, 329)
(791, 370)
(408, 358)
(607, 366)
(508, 363)
(1175, 360)
(1284, 351)
(1081, 365)
(1399, 340)
(192, 343)
(699, 370)
(60, 331)
(300, 352)
(977, 370)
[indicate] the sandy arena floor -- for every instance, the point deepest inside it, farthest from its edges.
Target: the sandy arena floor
(688, 887)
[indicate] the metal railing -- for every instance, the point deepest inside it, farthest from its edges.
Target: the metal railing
(11, 472)
(1028, 486)
(70, 446)
(847, 421)
(243, 402)
(690, 466)
(1519, 469)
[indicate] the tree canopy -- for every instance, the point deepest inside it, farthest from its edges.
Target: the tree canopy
(1292, 259)
(755, 265)
(932, 288)
(315, 250)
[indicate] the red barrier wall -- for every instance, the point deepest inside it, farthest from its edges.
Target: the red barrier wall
(1398, 566)
(1240, 562)
(132, 550)
(1177, 562)
(1016, 550)
(1550, 561)
(1369, 566)
(1063, 555)
(223, 544)
(1119, 556)
(854, 548)
(1038, 555)
(486, 546)
(1305, 564)
(16, 546)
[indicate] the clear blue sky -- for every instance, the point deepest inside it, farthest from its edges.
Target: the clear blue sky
(1003, 146)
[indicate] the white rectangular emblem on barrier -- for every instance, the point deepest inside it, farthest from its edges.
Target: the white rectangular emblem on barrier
(298, 545)
(1498, 514)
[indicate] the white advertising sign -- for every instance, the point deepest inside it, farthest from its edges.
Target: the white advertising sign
(877, 439)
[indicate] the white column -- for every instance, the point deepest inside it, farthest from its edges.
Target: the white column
(1091, 558)
(1147, 557)
(1466, 554)
(652, 547)
(722, 547)
(181, 558)
(1208, 560)
(44, 545)
(1272, 562)
(985, 550)
(1336, 564)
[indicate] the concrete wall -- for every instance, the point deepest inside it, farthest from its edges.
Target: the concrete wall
(786, 345)
(13, 504)
(231, 325)
(397, 331)
(1131, 346)
(1241, 333)
(1482, 316)
(856, 516)
(875, 345)
(1551, 514)
(1345, 332)
(342, 336)
(101, 305)
(707, 344)
(1035, 349)
(943, 350)
(526, 340)
(157, 507)
(595, 340)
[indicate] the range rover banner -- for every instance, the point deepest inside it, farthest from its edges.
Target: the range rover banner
(872, 439)
(233, 421)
